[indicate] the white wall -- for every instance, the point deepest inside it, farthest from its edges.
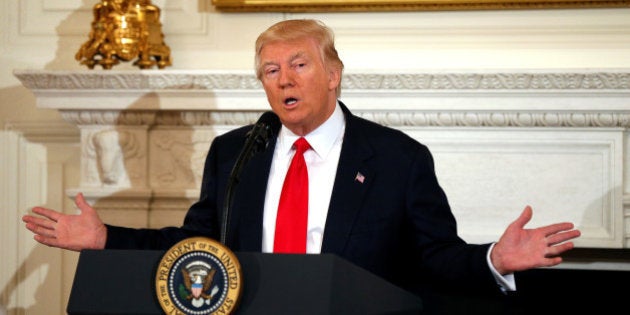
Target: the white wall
(45, 35)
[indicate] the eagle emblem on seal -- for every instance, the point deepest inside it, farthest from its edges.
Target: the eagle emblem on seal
(197, 283)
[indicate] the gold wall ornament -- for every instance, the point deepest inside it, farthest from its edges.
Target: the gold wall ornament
(124, 30)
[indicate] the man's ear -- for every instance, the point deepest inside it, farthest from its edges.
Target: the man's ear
(334, 78)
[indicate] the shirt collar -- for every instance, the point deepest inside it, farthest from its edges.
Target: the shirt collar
(321, 139)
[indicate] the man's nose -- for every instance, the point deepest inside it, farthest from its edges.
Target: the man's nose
(286, 78)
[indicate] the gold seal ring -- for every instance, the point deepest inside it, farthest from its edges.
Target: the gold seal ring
(199, 276)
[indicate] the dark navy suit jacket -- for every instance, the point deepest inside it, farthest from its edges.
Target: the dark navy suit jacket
(396, 223)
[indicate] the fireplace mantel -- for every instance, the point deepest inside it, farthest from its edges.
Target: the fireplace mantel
(555, 138)
(569, 91)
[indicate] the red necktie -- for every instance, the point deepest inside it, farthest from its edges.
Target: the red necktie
(293, 207)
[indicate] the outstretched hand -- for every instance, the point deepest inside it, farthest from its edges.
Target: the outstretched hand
(74, 232)
(520, 248)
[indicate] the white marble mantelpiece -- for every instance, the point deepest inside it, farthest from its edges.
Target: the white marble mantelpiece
(501, 139)
(453, 91)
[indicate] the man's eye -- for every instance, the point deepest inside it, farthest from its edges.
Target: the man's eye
(299, 65)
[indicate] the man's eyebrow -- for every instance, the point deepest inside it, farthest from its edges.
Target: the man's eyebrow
(297, 55)
(269, 63)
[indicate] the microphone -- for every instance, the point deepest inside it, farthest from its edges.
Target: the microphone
(257, 140)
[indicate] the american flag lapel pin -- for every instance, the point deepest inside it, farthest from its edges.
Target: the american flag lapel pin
(359, 178)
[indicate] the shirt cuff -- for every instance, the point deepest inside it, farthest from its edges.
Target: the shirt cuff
(506, 282)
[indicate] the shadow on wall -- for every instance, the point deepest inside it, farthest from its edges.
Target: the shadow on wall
(71, 33)
(17, 103)
(37, 267)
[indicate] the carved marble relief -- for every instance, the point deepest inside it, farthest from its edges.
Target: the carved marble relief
(114, 157)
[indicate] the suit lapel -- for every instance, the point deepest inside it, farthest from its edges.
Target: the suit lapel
(353, 180)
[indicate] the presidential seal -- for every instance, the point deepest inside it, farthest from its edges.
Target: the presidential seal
(198, 276)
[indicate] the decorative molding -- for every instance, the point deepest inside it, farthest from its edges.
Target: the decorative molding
(407, 118)
(49, 132)
(108, 117)
(490, 81)
(457, 98)
(481, 119)
(151, 118)
(113, 198)
(245, 80)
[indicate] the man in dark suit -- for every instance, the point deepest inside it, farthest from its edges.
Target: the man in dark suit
(374, 196)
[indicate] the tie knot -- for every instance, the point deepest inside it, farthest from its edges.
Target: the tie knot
(301, 145)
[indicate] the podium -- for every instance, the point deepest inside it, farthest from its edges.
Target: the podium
(123, 282)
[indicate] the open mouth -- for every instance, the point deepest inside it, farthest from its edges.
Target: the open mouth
(290, 101)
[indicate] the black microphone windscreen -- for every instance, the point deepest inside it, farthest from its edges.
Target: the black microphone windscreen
(270, 119)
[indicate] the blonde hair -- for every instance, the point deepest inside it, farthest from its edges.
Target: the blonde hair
(291, 30)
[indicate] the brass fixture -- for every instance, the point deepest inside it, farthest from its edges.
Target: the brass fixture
(125, 30)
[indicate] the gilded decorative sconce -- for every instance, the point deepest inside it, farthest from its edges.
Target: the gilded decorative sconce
(125, 30)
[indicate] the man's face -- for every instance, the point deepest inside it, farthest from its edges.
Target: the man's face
(299, 87)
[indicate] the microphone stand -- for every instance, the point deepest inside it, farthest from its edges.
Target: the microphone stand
(257, 140)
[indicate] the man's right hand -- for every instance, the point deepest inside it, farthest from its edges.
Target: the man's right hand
(74, 232)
